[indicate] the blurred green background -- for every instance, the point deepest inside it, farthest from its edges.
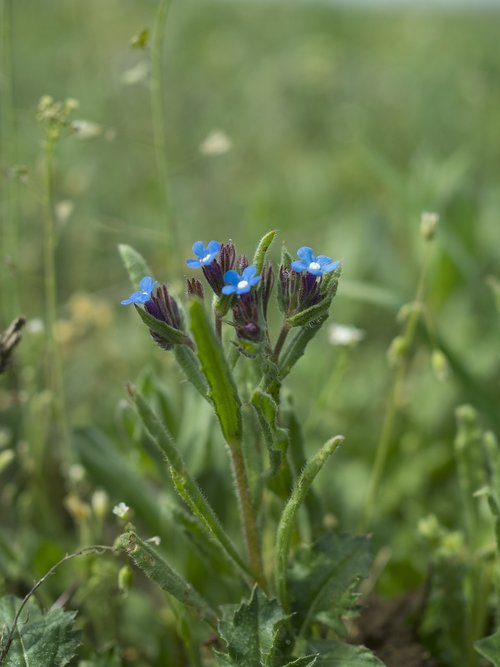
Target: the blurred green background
(336, 126)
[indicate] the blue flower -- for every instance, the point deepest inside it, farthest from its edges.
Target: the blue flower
(205, 255)
(316, 265)
(240, 284)
(147, 285)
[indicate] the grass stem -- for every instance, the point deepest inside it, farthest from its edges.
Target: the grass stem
(158, 121)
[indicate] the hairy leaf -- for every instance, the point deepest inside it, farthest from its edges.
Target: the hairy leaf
(170, 334)
(252, 634)
(323, 572)
(223, 393)
(135, 264)
(337, 654)
(159, 571)
(262, 248)
(40, 639)
(489, 648)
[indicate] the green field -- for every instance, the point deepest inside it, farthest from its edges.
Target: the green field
(337, 127)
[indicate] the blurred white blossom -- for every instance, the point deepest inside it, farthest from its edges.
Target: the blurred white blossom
(216, 143)
(342, 334)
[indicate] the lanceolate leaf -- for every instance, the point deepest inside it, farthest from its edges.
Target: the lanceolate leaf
(184, 483)
(135, 264)
(40, 639)
(252, 634)
(262, 248)
(296, 346)
(310, 315)
(287, 521)
(187, 360)
(223, 392)
(159, 571)
(170, 334)
(322, 573)
(489, 648)
(276, 439)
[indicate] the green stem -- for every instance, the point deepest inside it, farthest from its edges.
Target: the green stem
(95, 550)
(158, 120)
(280, 342)
(56, 379)
(10, 224)
(394, 399)
(248, 515)
(287, 521)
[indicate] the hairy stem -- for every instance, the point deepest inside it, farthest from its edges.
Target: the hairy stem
(248, 515)
(280, 342)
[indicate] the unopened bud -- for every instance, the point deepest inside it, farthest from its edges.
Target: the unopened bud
(125, 579)
(100, 503)
(440, 365)
(428, 224)
(397, 351)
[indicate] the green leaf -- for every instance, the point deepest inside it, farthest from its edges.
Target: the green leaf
(306, 661)
(321, 573)
(310, 315)
(135, 264)
(187, 360)
(296, 346)
(158, 570)
(252, 634)
(170, 334)
(489, 648)
(39, 639)
(184, 483)
(262, 248)
(287, 521)
(337, 654)
(276, 439)
(223, 393)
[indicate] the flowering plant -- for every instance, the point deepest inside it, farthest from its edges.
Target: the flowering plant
(297, 593)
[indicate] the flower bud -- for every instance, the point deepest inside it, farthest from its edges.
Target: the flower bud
(428, 224)
(440, 365)
(125, 579)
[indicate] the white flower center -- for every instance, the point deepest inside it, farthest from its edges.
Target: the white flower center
(205, 259)
(314, 266)
(242, 284)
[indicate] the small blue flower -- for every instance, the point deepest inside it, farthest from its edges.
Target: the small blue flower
(147, 285)
(240, 284)
(317, 266)
(205, 255)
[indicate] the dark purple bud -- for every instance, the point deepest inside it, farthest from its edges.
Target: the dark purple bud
(246, 317)
(267, 284)
(241, 263)
(214, 276)
(163, 307)
(309, 291)
(227, 257)
(194, 288)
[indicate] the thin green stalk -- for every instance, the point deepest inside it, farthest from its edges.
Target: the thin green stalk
(96, 549)
(280, 342)
(248, 515)
(158, 120)
(10, 219)
(329, 388)
(55, 370)
(287, 521)
(394, 399)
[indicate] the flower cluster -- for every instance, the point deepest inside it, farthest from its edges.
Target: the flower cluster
(238, 286)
